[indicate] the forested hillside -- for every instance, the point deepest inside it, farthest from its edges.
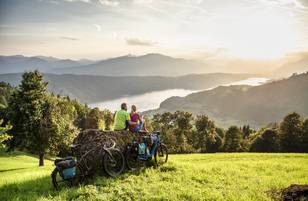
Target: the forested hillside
(246, 105)
(89, 89)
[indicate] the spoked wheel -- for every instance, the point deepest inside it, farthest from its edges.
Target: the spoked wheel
(58, 182)
(161, 155)
(132, 161)
(114, 162)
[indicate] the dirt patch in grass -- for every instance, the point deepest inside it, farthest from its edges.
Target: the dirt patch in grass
(167, 169)
(294, 192)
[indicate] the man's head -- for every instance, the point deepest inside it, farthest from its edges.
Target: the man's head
(124, 106)
(134, 108)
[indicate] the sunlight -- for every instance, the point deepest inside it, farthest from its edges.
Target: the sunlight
(263, 36)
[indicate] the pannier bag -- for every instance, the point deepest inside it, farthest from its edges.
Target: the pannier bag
(66, 167)
(142, 148)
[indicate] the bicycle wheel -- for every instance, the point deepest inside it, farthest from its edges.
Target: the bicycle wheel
(113, 162)
(132, 161)
(57, 181)
(161, 155)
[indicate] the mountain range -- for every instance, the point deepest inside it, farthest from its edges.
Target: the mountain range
(20, 63)
(241, 105)
(147, 65)
(92, 81)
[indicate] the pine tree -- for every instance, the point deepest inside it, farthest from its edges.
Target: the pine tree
(27, 111)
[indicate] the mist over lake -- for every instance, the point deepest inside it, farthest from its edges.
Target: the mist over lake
(152, 100)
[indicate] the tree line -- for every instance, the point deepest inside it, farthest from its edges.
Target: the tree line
(42, 123)
(184, 133)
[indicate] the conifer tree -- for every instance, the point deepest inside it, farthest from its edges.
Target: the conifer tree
(27, 111)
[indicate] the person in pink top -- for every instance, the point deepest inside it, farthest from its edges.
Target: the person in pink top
(136, 117)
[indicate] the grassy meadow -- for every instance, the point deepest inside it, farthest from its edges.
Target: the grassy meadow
(222, 176)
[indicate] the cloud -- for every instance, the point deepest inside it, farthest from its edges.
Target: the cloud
(142, 1)
(68, 38)
(295, 3)
(98, 27)
(85, 1)
(46, 11)
(139, 42)
(289, 4)
(111, 3)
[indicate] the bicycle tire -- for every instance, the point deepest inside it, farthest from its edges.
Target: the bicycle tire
(161, 154)
(113, 162)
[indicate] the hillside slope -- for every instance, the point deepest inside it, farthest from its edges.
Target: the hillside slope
(185, 177)
(91, 89)
(243, 104)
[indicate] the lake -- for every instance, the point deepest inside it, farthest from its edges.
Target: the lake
(152, 100)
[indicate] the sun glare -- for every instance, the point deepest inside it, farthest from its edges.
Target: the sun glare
(263, 37)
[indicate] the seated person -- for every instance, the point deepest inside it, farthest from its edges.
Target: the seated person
(122, 119)
(137, 118)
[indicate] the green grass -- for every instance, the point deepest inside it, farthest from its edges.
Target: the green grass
(223, 176)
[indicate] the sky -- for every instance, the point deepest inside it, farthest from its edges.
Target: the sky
(202, 29)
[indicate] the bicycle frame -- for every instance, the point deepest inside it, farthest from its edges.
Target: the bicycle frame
(84, 162)
(148, 156)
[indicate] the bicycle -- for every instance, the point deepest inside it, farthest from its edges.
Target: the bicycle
(70, 172)
(136, 154)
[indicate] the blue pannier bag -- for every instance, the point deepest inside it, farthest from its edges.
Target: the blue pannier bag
(142, 148)
(69, 173)
(66, 167)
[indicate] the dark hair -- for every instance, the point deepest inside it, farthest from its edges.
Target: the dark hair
(135, 108)
(123, 106)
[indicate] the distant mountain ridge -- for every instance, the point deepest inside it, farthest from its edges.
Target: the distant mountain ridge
(20, 63)
(256, 106)
(145, 65)
(152, 64)
(91, 89)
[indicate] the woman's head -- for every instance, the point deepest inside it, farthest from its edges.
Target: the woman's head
(134, 108)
